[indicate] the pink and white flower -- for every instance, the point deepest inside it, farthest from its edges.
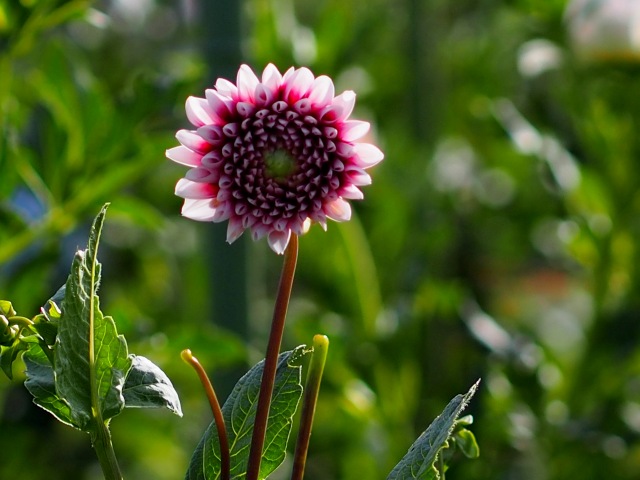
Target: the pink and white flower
(272, 155)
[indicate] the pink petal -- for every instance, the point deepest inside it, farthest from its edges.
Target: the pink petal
(271, 77)
(357, 176)
(288, 74)
(322, 91)
(226, 88)
(201, 210)
(259, 230)
(198, 111)
(338, 210)
(367, 155)
(189, 189)
(193, 141)
(212, 134)
(264, 95)
(220, 105)
(353, 130)
(298, 85)
(278, 241)
(184, 156)
(351, 192)
(344, 104)
(202, 175)
(247, 83)
(234, 229)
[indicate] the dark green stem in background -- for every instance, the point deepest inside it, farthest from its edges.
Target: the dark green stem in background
(271, 359)
(312, 387)
(101, 441)
(225, 457)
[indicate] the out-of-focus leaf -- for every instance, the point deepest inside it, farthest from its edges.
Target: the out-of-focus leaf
(466, 442)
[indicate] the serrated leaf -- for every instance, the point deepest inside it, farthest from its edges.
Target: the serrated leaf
(239, 414)
(147, 386)
(419, 461)
(41, 384)
(91, 358)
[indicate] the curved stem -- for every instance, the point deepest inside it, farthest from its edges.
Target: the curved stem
(311, 390)
(225, 457)
(21, 321)
(271, 359)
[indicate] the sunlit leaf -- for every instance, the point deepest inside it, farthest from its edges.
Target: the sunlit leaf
(147, 386)
(239, 414)
(41, 384)
(419, 461)
(91, 358)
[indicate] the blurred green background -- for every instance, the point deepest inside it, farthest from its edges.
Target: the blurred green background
(499, 239)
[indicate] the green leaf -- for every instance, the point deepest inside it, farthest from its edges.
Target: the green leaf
(239, 414)
(466, 442)
(46, 323)
(6, 308)
(419, 461)
(91, 358)
(8, 354)
(147, 386)
(41, 384)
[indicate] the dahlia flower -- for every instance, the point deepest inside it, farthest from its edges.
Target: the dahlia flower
(272, 155)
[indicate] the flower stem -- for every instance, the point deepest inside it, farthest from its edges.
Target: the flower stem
(225, 457)
(271, 359)
(104, 450)
(312, 387)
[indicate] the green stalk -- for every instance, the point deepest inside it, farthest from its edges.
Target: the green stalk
(311, 390)
(225, 456)
(271, 359)
(101, 441)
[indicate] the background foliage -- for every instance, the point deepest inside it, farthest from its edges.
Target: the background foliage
(499, 239)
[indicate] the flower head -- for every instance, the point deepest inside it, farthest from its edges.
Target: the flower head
(272, 154)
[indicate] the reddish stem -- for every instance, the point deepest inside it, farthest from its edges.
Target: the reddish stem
(271, 359)
(225, 458)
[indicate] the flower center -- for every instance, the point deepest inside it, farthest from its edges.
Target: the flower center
(279, 164)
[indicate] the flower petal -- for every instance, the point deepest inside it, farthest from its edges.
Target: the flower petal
(278, 241)
(247, 83)
(220, 105)
(298, 85)
(201, 210)
(338, 210)
(198, 111)
(341, 107)
(322, 91)
(188, 189)
(234, 229)
(226, 88)
(357, 176)
(271, 77)
(184, 156)
(202, 175)
(351, 192)
(193, 141)
(353, 130)
(367, 155)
